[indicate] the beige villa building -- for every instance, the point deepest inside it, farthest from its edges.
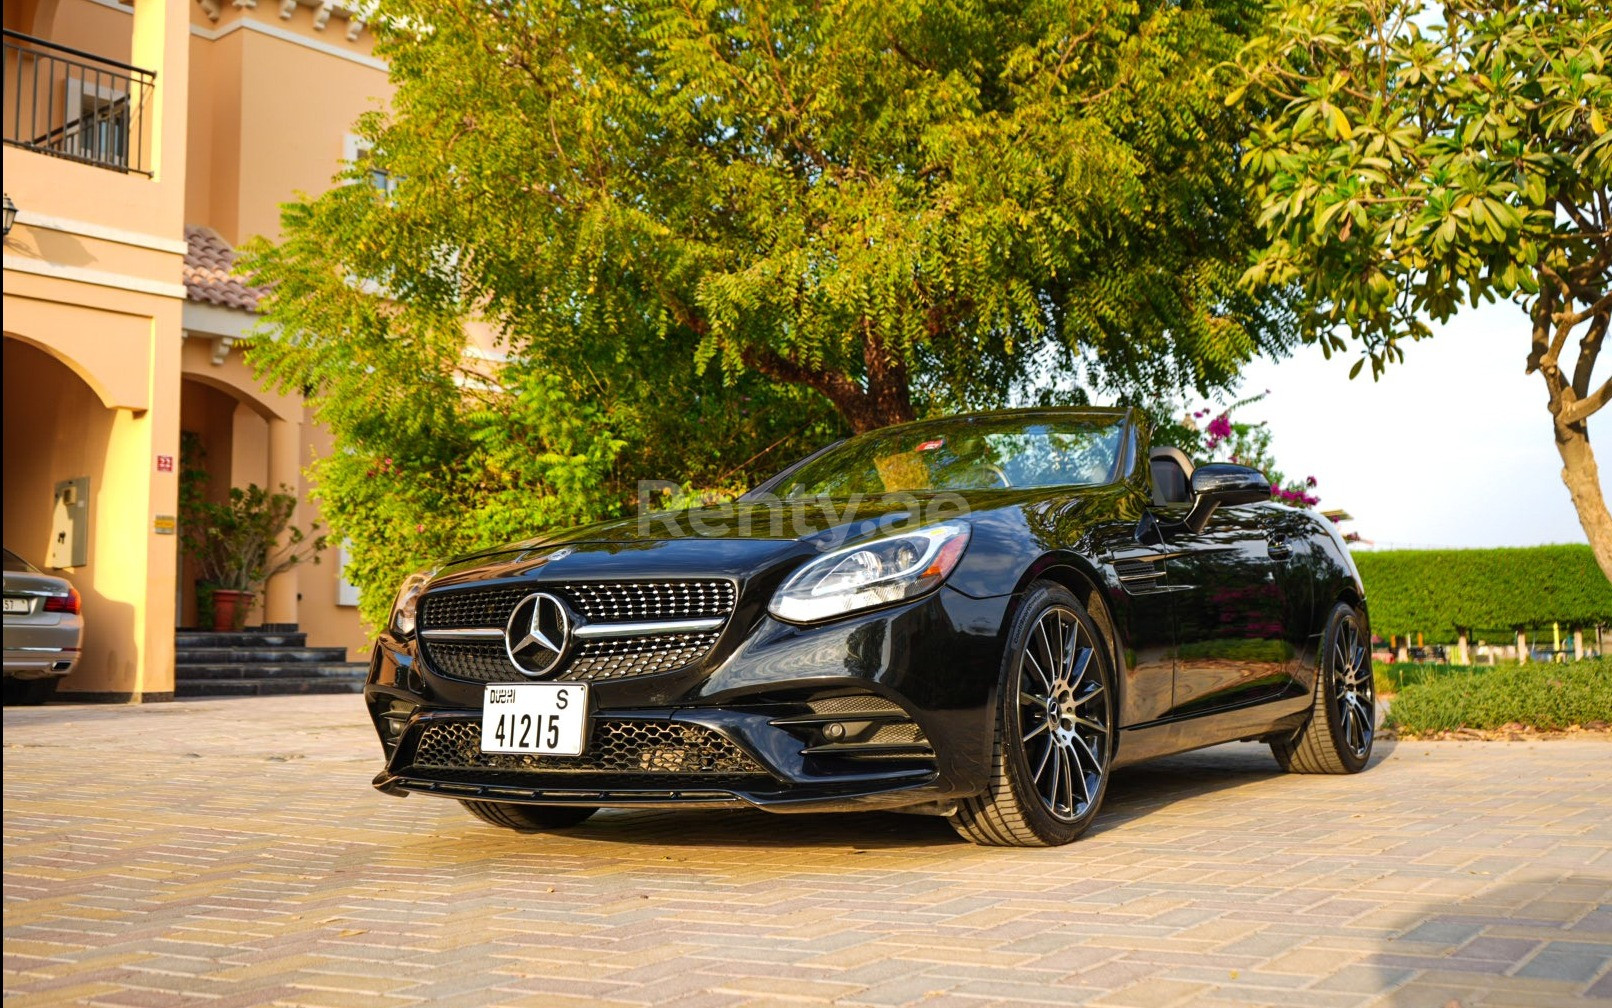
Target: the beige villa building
(143, 142)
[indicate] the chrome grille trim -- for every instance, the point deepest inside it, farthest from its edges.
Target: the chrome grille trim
(646, 629)
(463, 633)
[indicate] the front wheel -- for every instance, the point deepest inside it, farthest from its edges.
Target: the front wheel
(528, 818)
(1343, 719)
(1054, 729)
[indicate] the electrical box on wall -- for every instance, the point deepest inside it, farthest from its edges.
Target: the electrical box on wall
(70, 525)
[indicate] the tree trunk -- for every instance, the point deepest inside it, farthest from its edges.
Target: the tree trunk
(881, 398)
(1583, 480)
(1570, 398)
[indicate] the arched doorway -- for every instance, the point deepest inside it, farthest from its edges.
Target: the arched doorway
(223, 443)
(58, 431)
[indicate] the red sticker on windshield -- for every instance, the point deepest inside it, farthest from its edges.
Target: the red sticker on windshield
(930, 445)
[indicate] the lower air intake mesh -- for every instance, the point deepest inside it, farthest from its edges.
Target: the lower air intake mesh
(617, 746)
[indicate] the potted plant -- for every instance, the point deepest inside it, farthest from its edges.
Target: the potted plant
(236, 543)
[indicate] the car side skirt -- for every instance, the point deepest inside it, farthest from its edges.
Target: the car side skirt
(1164, 738)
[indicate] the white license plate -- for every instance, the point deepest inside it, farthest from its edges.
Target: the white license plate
(546, 718)
(16, 605)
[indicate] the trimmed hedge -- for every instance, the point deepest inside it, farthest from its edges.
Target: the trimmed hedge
(1549, 697)
(1436, 592)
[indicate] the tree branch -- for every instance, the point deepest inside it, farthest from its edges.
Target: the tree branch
(1581, 409)
(1589, 348)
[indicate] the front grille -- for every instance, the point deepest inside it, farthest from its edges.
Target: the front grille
(594, 601)
(621, 657)
(652, 748)
(477, 661)
(590, 661)
(488, 608)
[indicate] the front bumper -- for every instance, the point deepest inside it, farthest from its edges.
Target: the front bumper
(910, 689)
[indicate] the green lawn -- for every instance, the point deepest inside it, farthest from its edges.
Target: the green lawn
(1549, 697)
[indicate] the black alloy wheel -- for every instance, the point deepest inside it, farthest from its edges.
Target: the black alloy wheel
(1343, 720)
(1054, 729)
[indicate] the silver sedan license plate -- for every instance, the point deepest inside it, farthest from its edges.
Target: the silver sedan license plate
(549, 719)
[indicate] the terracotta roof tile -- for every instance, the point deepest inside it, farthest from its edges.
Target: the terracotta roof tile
(209, 260)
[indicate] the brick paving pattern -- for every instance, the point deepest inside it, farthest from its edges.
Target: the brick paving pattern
(231, 852)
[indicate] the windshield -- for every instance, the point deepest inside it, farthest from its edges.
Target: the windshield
(966, 453)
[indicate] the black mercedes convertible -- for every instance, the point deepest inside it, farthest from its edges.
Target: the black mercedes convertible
(979, 617)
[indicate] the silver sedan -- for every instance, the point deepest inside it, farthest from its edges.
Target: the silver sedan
(43, 631)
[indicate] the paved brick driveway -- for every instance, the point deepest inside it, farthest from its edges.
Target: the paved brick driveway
(232, 853)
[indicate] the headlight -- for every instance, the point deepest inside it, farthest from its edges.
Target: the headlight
(871, 574)
(408, 599)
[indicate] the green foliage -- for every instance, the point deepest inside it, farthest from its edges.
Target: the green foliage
(1212, 434)
(707, 237)
(236, 542)
(1419, 158)
(1417, 163)
(880, 202)
(1391, 677)
(1437, 591)
(1544, 696)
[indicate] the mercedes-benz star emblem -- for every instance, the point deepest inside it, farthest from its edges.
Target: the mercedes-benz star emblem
(537, 634)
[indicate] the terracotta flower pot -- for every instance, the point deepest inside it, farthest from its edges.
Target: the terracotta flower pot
(229, 608)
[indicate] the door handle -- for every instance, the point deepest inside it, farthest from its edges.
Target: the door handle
(1276, 545)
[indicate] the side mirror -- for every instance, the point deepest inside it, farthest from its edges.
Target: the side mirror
(1223, 483)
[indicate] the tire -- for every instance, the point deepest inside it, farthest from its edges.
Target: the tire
(30, 692)
(1053, 734)
(528, 818)
(1337, 738)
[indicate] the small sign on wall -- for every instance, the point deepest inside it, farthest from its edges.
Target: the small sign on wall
(164, 524)
(165, 463)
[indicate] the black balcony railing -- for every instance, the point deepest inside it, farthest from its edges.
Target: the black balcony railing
(76, 105)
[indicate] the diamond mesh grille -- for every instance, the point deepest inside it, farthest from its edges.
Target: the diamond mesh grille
(590, 660)
(477, 661)
(631, 747)
(595, 601)
(622, 657)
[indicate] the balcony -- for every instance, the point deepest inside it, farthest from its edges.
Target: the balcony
(76, 105)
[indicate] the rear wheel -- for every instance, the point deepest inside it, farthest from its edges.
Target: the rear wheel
(1054, 729)
(30, 692)
(1343, 720)
(528, 818)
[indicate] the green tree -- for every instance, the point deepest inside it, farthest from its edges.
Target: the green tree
(1417, 160)
(891, 205)
(441, 452)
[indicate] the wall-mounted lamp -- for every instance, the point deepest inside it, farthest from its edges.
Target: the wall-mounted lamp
(11, 214)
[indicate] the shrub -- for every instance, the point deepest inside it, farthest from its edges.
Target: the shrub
(1438, 591)
(1549, 697)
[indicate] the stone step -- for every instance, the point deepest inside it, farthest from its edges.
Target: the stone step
(262, 670)
(239, 638)
(270, 655)
(267, 687)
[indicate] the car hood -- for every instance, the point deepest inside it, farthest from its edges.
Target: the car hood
(739, 540)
